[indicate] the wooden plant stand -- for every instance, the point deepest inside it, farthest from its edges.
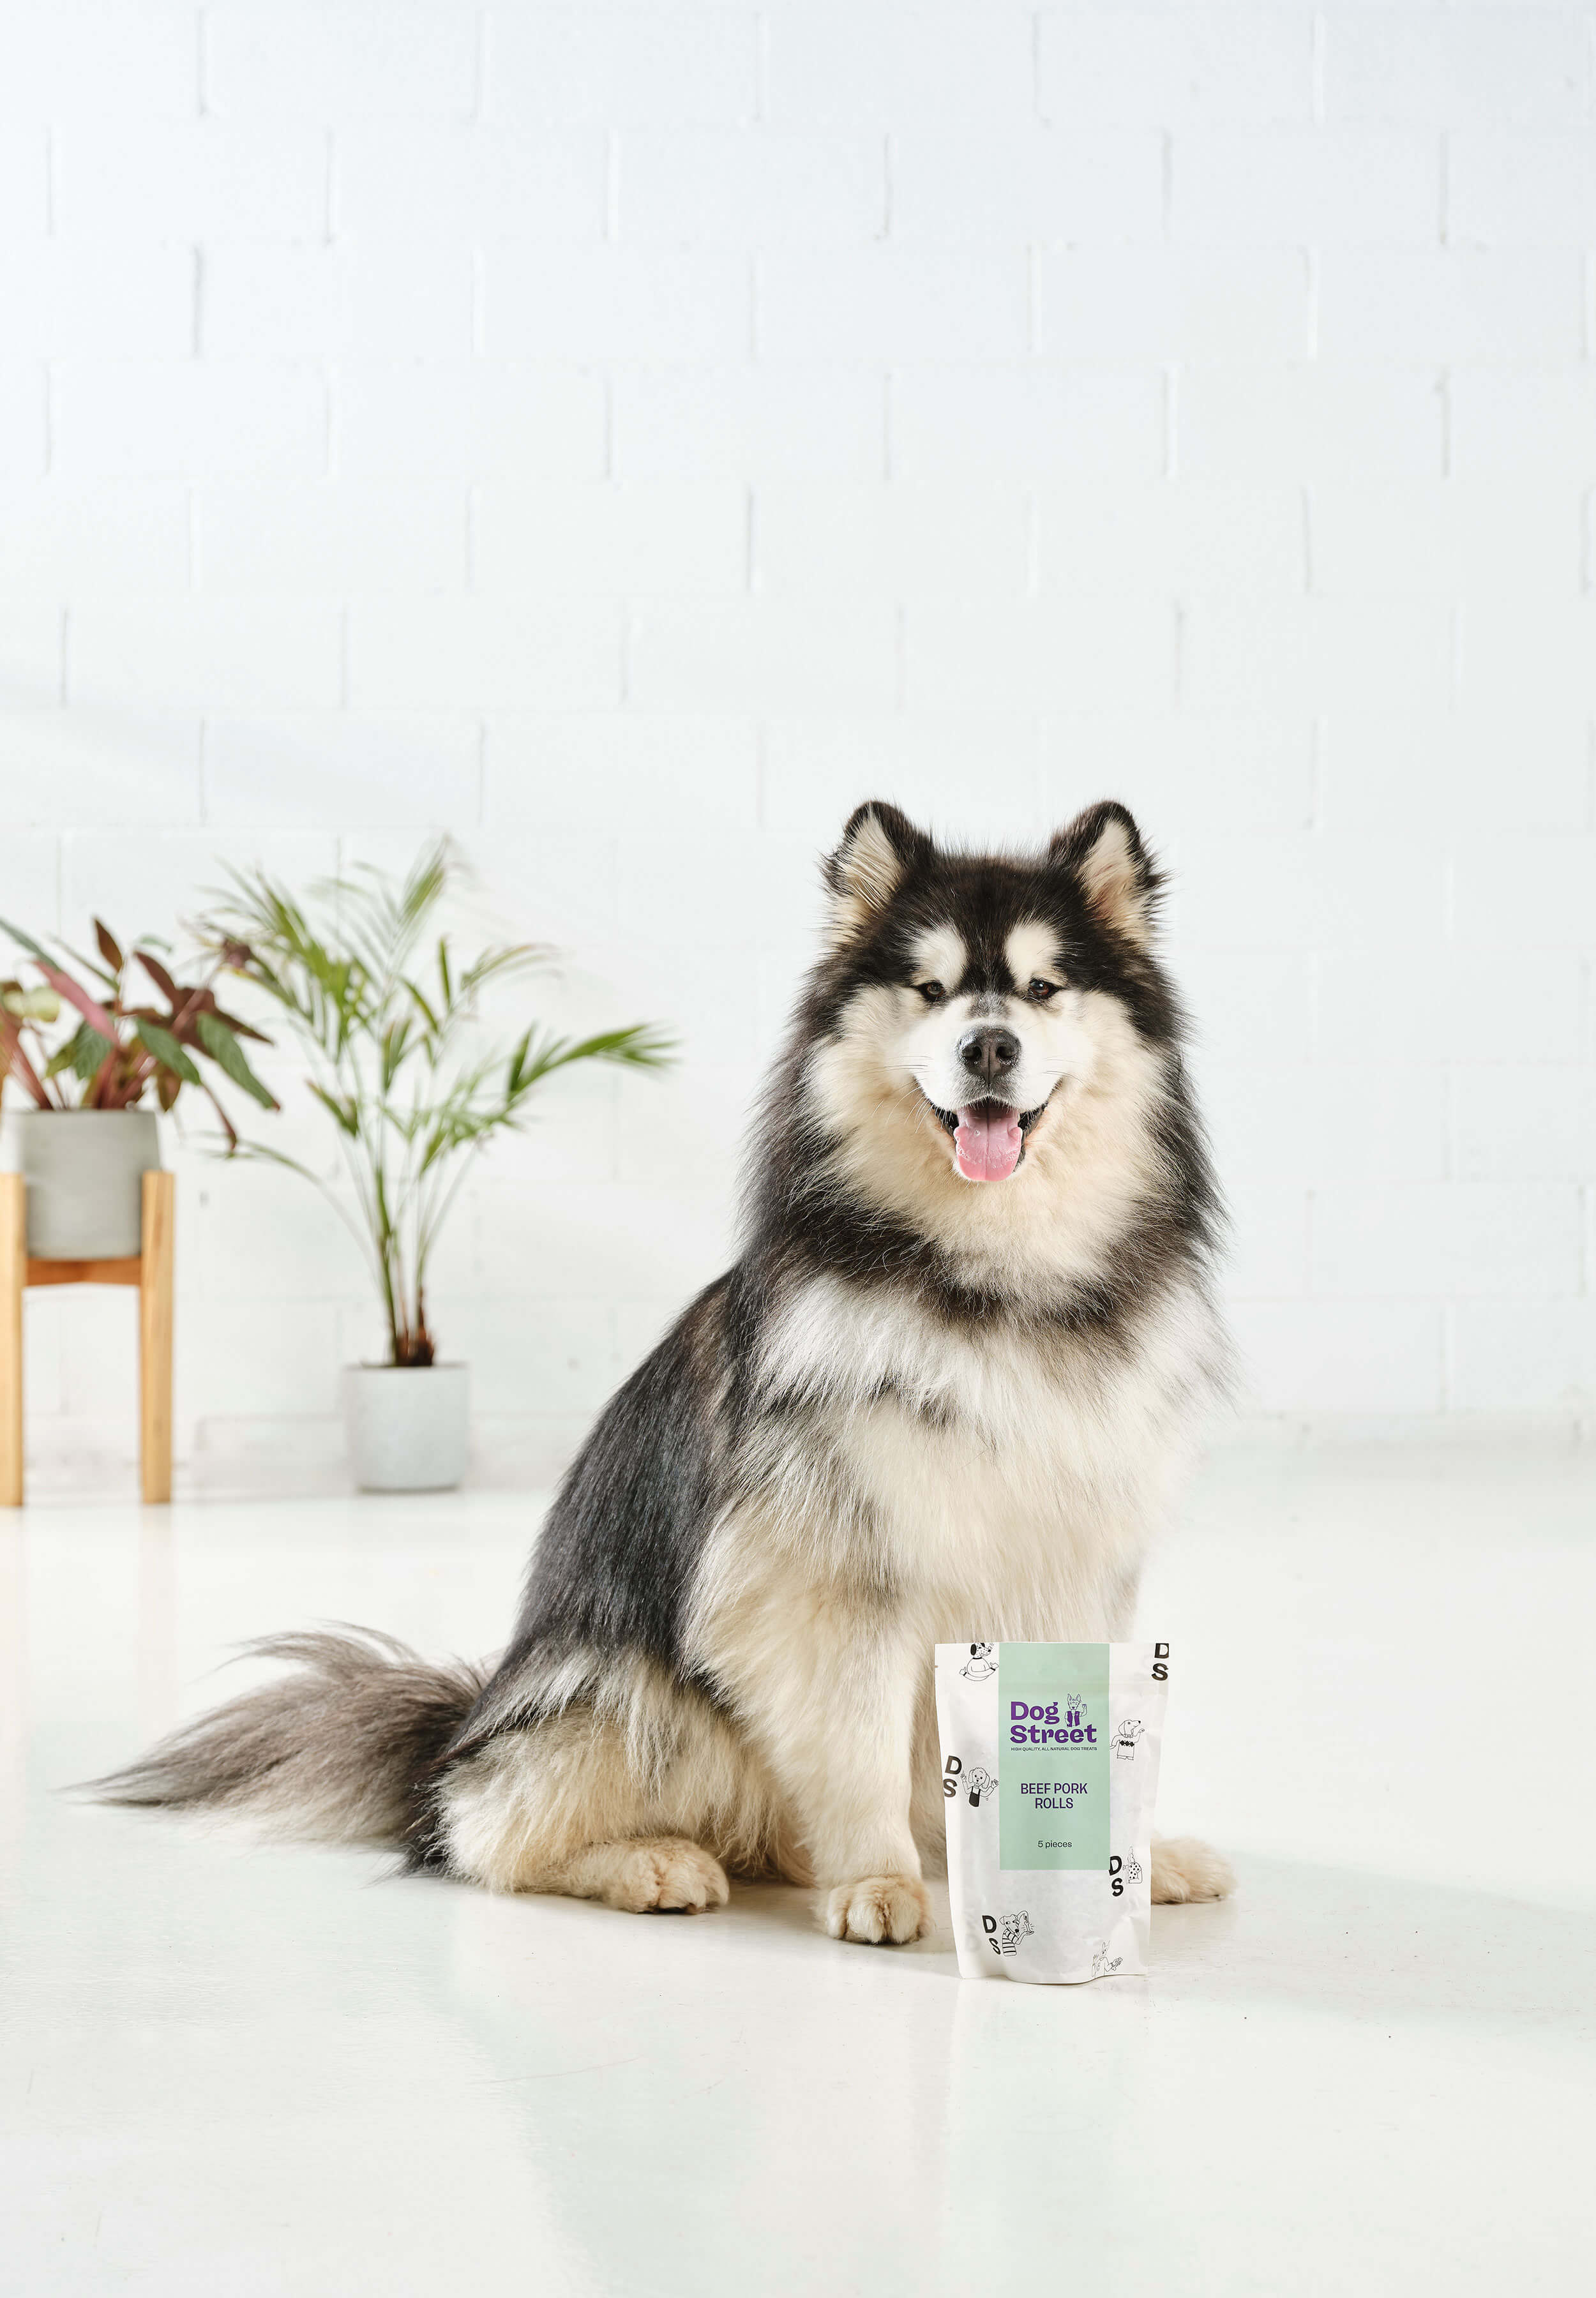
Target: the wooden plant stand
(151, 1270)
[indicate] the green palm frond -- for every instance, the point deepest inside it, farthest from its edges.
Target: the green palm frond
(639, 1047)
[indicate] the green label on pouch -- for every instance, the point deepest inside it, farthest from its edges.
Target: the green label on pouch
(1052, 1755)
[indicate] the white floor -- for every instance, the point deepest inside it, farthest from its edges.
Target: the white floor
(226, 2071)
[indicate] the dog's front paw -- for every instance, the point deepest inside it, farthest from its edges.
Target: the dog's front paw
(667, 1873)
(1184, 1869)
(879, 1907)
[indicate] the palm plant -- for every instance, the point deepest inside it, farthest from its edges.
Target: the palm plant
(388, 1016)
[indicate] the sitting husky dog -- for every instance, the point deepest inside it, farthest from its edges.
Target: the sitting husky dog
(946, 1392)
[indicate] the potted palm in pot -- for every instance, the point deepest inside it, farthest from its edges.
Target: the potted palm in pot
(95, 1064)
(388, 1016)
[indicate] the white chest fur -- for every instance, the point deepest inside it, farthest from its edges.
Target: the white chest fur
(1016, 1469)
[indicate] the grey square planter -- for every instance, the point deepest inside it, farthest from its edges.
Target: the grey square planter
(85, 1172)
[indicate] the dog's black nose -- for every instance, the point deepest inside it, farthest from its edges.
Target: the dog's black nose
(991, 1054)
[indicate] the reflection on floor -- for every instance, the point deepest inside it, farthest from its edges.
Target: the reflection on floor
(231, 2071)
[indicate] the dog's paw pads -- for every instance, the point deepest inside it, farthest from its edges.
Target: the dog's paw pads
(668, 1873)
(879, 1908)
(1184, 1869)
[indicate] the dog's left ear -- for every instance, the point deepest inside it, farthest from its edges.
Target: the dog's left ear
(1102, 850)
(879, 845)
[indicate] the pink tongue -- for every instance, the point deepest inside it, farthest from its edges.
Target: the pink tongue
(987, 1142)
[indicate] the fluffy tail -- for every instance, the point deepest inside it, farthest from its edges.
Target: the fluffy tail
(342, 1750)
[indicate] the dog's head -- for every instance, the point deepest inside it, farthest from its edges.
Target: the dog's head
(986, 1030)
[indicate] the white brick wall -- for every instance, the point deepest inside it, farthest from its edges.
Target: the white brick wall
(628, 434)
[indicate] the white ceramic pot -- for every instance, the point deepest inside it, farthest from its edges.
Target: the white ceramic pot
(85, 1172)
(407, 1426)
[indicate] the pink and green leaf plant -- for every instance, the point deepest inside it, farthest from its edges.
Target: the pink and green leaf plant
(124, 1041)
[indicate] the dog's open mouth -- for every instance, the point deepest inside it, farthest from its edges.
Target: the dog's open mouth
(988, 1136)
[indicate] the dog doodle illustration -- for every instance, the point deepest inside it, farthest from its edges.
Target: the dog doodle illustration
(1133, 1868)
(978, 1781)
(980, 1662)
(1126, 1736)
(1004, 1933)
(1101, 1965)
(1075, 1710)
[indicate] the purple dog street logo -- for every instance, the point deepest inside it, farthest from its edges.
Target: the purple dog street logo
(1004, 1933)
(980, 1662)
(1126, 1736)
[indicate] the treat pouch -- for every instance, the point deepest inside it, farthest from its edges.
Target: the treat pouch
(1049, 1770)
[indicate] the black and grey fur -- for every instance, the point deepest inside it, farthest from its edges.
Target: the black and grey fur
(943, 1393)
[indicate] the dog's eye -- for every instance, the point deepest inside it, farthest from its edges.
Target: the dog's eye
(1040, 991)
(933, 992)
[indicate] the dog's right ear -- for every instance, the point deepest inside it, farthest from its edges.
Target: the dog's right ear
(879, 845)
